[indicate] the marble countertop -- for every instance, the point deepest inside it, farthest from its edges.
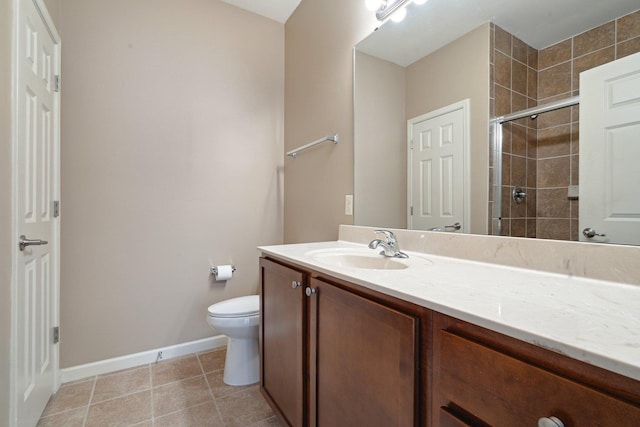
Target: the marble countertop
(594, 321)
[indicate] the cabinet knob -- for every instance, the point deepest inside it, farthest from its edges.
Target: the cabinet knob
(550, 422)
(295, 284)
(310, 291)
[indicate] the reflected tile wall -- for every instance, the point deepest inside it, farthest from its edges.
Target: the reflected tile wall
(514, 87)
(542, 156)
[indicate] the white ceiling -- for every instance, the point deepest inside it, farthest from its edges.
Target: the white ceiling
(539, 23)
(278, 10)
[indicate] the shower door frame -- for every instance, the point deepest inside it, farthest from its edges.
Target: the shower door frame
(495, 135)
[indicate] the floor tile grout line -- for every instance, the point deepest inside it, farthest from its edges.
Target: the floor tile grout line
(86, 414)
(126, 394)
(151, 393)
(178, 381)
(215, 402)
(180, 410)
(66, 411)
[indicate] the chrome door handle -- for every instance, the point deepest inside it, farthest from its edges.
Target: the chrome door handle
(456, 226)
(24, 242)
(590, 233)
(295, 284)
(310, 291)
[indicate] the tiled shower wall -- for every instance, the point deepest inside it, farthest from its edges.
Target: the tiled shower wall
(542, 155)
(514, 67)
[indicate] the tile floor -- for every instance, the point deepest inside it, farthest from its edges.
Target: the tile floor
(186, 391)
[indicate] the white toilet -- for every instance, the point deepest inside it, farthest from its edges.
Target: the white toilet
(238, 318)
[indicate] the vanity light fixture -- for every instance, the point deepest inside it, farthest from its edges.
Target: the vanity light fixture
(394, 8)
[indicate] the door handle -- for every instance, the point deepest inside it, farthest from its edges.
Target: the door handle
(24, 242)
(590, 233)
(456, 226)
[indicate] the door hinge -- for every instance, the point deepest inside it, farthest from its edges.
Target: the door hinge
(56, 208)
(56, 83)
(56, 334)
(411, 210)
(411, 145)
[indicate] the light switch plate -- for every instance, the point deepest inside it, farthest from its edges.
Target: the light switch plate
(348, 204)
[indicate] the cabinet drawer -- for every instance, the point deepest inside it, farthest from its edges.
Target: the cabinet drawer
(448, 418)
(502, 390)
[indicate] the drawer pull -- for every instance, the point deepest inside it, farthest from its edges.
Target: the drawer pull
(310, 291)
(550, 422)
(295, 284)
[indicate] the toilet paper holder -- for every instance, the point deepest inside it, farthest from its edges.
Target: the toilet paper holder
(214, 270)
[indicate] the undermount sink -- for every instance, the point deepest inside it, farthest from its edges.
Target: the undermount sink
(363, 258)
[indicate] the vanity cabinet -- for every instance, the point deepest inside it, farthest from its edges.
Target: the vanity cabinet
(333, 354)
(481, 378)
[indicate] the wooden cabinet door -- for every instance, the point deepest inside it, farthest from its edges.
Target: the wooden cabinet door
(363, 361)
(282, 343)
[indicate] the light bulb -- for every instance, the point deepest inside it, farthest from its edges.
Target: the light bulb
(399, 15)
(372, 5)
(419, 1)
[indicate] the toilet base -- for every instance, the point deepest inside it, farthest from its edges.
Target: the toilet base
(242, 364)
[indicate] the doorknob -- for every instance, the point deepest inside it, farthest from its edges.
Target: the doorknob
(590, 233)
(24, 242)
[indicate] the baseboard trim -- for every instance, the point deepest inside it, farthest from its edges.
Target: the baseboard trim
(101, 367)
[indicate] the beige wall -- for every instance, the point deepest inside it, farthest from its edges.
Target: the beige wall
(444, 77)
(319, 38)
(6, 24)
(53, 7)
(172, 140)
(380, 147)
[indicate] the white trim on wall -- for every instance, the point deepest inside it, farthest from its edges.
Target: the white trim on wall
(137, 359)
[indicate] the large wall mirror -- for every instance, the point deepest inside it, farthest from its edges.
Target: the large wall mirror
(439, 78)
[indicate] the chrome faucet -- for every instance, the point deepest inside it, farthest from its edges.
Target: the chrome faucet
(390, 247)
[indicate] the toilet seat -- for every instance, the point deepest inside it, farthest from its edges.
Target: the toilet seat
(236, 307)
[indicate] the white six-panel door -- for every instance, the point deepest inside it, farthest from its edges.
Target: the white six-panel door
(610, 152)
(438, 187)
(36, 175)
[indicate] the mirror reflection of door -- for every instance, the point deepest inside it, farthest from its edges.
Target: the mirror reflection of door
(437, 173)
(609, 152)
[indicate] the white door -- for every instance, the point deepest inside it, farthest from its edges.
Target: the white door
(610, 152)
(36, 184)
(438, 175)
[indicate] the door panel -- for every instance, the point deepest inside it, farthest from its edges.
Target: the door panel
(609, 151)
(36, 175)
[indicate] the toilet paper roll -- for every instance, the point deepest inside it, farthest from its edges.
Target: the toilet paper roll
(223, 272)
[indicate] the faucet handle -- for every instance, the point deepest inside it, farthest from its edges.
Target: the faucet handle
(391, 238)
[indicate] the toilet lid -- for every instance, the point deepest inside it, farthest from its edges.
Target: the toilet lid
(236, 307)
